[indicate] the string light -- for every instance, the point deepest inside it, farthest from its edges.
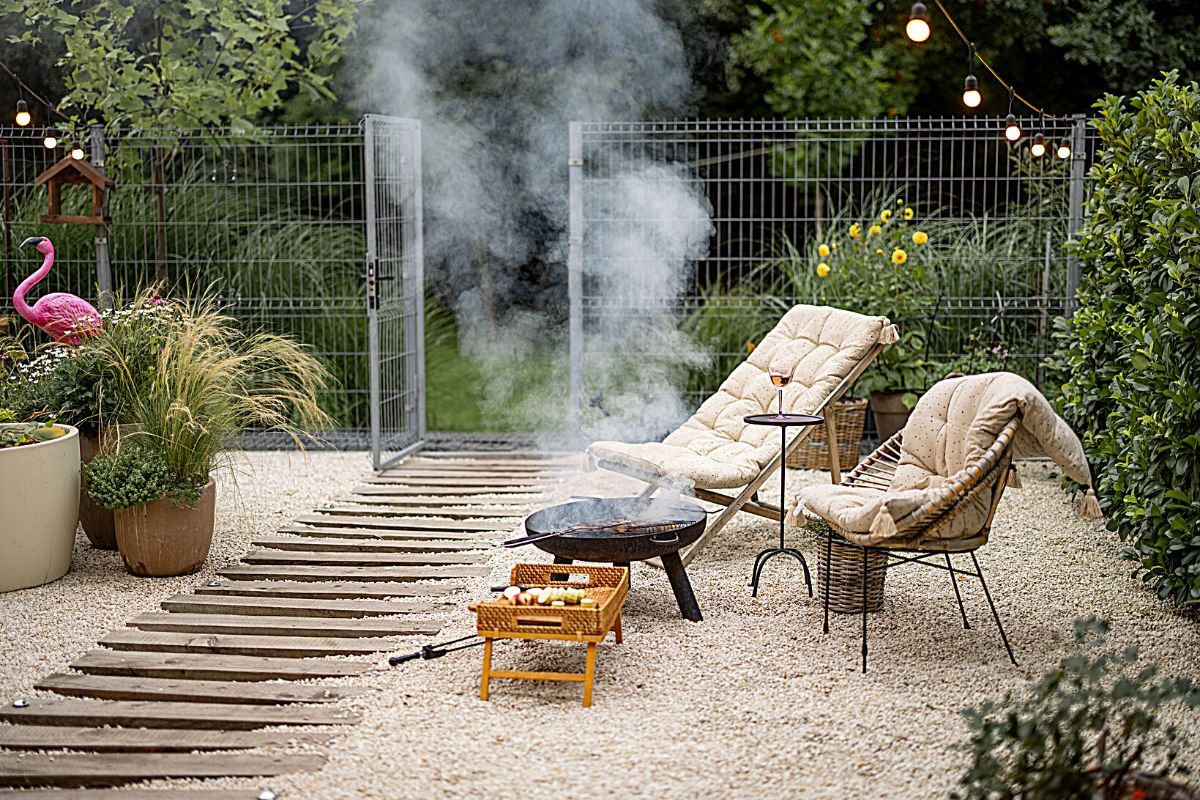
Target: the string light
(917, 28)
(50, 139)
(971, 96)
(1012, 131)
(1064, 148)
(1038, 148)
(23, 117)
(76, 150)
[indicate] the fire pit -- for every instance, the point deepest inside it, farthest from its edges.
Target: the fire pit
(620, 530)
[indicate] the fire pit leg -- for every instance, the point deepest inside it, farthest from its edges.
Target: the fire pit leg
(682, 587)
(560, 576)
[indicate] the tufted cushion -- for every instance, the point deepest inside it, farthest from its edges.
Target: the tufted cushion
(951, 427)
(715, 449)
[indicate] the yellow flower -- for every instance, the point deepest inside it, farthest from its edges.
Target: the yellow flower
(899, 201)
(823, 269)
(835, 245)
(886, 215)
(899, 256)
(749, 346)
(823, 250)
(908, 213)
(855, 231)
(920, 237)
(875, 230)
(878, 252)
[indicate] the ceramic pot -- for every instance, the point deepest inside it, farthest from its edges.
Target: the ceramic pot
(39, 510)
(890, 413)
(158, 540)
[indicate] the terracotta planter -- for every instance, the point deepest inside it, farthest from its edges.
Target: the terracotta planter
(890, 413)
(39, 511)
(97, 521)
(158, 540)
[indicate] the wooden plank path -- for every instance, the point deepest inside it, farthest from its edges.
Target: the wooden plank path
(196, 689)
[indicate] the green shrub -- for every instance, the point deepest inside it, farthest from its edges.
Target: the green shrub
(133, 475)
(1130, 355)
(1088, 730)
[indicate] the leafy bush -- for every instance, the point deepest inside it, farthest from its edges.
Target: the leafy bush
(1088, 730)
(1131, 353)
(133, 475)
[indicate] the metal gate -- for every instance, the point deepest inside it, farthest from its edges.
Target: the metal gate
(395, 286)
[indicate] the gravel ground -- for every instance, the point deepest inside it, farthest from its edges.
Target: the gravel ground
(753, 701)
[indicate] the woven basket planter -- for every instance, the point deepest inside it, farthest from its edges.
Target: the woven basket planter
(845, 576)
(849, 416)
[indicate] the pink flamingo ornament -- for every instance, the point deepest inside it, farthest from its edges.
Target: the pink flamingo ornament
(66, 318)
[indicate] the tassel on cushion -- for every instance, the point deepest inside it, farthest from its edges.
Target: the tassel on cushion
(1014, 478)
(796, 518)
(883, 526)
(1089, 508)
(889, 335)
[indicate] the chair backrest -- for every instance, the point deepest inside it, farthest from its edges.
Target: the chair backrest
(828, 347)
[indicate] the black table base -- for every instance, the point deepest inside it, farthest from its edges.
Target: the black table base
(680, 585)
(767, 555)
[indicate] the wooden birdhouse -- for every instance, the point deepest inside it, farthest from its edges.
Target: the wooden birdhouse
(74, 171)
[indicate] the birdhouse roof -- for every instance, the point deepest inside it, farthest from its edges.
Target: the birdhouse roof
(72, 170)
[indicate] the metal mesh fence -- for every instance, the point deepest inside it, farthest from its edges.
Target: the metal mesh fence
(997, 220)
(271, 221)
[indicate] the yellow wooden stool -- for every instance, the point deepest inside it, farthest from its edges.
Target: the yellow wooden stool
(608, 586)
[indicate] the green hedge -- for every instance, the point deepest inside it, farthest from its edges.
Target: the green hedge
(1131, 353)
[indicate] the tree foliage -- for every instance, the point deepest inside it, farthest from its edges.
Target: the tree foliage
(1131, 352)
(185, 63)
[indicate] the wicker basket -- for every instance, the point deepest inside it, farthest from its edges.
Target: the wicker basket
(608, 586)
(849, 417)
(845, 586)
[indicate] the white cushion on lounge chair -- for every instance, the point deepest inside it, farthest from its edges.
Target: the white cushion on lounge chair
(715, 449)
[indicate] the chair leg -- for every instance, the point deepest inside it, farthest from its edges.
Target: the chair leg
(864, 611)
(648, 492)
(995, 615)
(957, 593)
(828, 563)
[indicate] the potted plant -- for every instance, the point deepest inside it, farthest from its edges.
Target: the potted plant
(207, 382)
(39, 495)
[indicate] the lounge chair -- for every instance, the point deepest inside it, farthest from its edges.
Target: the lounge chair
(932, 490)
(716, 450)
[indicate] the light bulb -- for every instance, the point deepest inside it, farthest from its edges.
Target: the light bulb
(917, 28)
(1064, 149)
(23, 117)
(50, 140)
(1038, 148)
(971, 96)
(77, 151)
(1012, 131)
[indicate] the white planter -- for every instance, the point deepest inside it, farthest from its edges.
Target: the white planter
(39, 510)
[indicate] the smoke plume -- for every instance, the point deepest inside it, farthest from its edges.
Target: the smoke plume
(495, 84)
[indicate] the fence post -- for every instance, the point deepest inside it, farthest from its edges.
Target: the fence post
(104, 280)
(575, 278)
(1075, 206)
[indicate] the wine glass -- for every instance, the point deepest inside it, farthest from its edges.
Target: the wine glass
(781, 377)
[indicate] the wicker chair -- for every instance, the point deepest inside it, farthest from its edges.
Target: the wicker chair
(917, 540)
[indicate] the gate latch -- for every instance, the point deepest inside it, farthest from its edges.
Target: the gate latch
(373, 280)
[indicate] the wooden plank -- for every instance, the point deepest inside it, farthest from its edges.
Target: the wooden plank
(292, 607)
(532, 481)
(235, 645)
(362, 559)
(421, 511)
(449, 487)
(404, 523)
(371, 545)
(149, 740)
(282, 626)
(471, 472)
(109, 687)
(318, 590)
(109, 769)
(512, 506)
(296, 572)
(180, 716)
(393, 535)
(126, 793)
(212, 667)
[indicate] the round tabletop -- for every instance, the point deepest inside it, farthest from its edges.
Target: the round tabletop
(784, 420)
